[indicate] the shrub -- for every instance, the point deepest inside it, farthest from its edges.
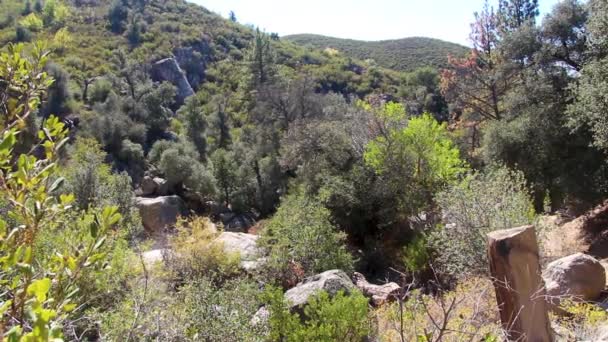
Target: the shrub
(481, 203)
(341, 318)
(61, 40)
(180, 166)
(222, 313)
(32, 22)
(300, 223)
(197, 254)
(468, 313)
(22, 34)
(100, 89)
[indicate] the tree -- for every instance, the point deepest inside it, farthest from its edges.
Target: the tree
(117, 15)
(420, 158)
(591, 105)
(479, 82)
(261, 59)
(27, 8)
(302, 222)
(512, 14)
(224, 168)
(565, 35)
(193, 116)
(232, 16)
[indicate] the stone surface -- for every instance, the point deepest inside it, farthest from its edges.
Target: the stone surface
(260, 317)
(330, 281)
(169, 70)
(578, 277)
(148, 186)
(245, 245)
(159, 213)
(379, 294)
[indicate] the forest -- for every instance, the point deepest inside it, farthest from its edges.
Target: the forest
(168, 174)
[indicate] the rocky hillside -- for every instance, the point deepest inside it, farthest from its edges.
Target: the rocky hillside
(405, 54)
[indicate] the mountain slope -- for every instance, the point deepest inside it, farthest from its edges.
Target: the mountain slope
(405, 54)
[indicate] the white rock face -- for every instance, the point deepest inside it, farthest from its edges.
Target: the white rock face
(159, 213)
(330, 281)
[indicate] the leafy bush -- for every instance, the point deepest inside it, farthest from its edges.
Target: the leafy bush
(32, 22)
(302, 222)
(341, 318)
(467, 313)
(40, 283)
(197, 254)
(481, 203)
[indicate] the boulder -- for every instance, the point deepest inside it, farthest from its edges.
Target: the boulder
(330, 281)
(245, 245)
(148, 186)
(168, 70)
(578, 277)
(159, 213)
(379, 294)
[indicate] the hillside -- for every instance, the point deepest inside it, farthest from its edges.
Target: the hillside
(171, 175)
(405, 54)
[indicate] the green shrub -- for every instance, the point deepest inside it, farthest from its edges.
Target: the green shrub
(32, 22)
(299, 224)
(481, 203)
(341, 318)
(197, 254)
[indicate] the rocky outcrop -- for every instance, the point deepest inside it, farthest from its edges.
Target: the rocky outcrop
(379, 294)
(330, 281)
(168, 70)
(159, 213)
(245, 245)
(153, 187)
(578, 277)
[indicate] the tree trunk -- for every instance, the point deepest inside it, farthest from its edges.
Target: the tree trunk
(520, 291)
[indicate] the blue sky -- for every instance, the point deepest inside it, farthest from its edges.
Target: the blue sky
(359, 19)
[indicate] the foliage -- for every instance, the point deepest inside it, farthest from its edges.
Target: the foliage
(36, 295)
(466, 312)
(299, 223)
(32, 22)
(420, 158)
(338, 318)
(483, 202)
(196, 253)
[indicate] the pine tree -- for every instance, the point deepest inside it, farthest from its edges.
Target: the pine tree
(512, 14)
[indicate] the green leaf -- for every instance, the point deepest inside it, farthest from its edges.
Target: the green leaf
(39, 288)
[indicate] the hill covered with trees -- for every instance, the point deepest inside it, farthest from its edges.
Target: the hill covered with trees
(406, 54)
(168, 174)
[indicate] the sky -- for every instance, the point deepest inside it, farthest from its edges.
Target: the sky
(360, 19)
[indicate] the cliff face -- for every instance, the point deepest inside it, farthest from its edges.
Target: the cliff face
(168, 70)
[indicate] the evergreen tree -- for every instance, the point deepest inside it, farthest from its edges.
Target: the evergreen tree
(261, 59)
(232, 16)
(512, 14)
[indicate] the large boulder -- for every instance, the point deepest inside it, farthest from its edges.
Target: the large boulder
(578, 277)
(330, 281)
(379, 294)
(168, 70)
(159, 213)
(244, 244)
